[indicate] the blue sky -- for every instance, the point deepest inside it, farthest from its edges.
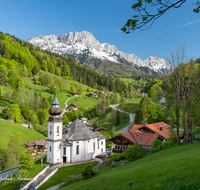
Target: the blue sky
(26, 19)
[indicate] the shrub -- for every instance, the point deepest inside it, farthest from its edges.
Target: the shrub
(87, 172)
(107, 162)
(156, 145)
(117, 156)
(135, 152)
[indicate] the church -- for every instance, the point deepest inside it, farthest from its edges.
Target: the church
(76, 143)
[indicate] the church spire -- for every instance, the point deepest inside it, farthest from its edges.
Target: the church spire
(55, 100)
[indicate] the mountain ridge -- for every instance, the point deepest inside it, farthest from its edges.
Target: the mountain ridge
(76, 43)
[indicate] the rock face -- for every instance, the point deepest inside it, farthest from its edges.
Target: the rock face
(76, 43)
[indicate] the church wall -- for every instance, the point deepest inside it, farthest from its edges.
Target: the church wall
(57, 153)
(49, 154)
(56, 130)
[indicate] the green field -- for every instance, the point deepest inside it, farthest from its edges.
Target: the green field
(107, 121)
(170, 169)
(84, 102)
(130, 106)
(62, 174)
(129, 79)
(8, 129)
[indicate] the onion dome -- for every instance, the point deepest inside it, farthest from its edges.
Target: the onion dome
(55, 109)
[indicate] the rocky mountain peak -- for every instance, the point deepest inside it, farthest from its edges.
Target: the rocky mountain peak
(76, 43)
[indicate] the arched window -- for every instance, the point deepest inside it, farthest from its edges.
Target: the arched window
(57, 130)
(50, 132)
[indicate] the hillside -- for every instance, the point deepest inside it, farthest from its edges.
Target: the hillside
(170, 169)
(8, 129)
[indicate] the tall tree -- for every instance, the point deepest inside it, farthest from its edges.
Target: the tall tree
(143, 111)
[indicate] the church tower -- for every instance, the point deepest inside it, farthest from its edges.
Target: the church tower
(54, 137)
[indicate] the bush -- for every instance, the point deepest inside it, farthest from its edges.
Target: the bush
(156, 145)
(135, 152)
(117, 156)
(87, 172)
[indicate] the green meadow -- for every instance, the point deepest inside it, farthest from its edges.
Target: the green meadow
(170, 169)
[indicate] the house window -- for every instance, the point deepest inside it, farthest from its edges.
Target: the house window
(101, 142)
(93, 146)
(117, 147)
(57, 130)
(64, 150)
(98, 145)
(102, 150)
(77, 149)
(50, 148)
(123, 148)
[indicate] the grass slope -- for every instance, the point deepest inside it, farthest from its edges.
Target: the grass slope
(15, 183)
(107, 121)
(63, 173)
(171, 169)
(8, 129)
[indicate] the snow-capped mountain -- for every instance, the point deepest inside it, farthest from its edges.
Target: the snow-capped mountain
(84, 43)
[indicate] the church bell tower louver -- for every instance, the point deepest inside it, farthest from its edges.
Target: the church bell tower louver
(54, 137)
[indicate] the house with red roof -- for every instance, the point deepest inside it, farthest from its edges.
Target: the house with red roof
(73, 107)
(36, 146)
(121, 142)
(160, 128)
(143, 135)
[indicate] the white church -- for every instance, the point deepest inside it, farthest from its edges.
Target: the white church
(76, 143)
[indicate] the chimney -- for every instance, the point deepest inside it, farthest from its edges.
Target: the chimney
(161, 127)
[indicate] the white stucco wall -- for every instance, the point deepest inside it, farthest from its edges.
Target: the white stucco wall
(54, 135)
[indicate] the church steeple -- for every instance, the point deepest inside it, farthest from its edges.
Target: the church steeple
(54, 132)
(55, 100)
(55, 109)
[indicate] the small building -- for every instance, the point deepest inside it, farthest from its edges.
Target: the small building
(143, 95)
(121, 142)
(91, 127)
(162, 100)
(75, 94)
(38, 145)
(101, 128)
(73, 107)
(84, 120)
(93, 95)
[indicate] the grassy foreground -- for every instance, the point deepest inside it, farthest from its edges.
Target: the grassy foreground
(170, 169)
(63, 173)
(8, 129)
(15, 183)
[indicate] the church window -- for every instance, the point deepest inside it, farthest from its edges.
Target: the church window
(50, 148)
(77, 149)
(64, 150)
(50, 132)
(93, 146)
(57, 130)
